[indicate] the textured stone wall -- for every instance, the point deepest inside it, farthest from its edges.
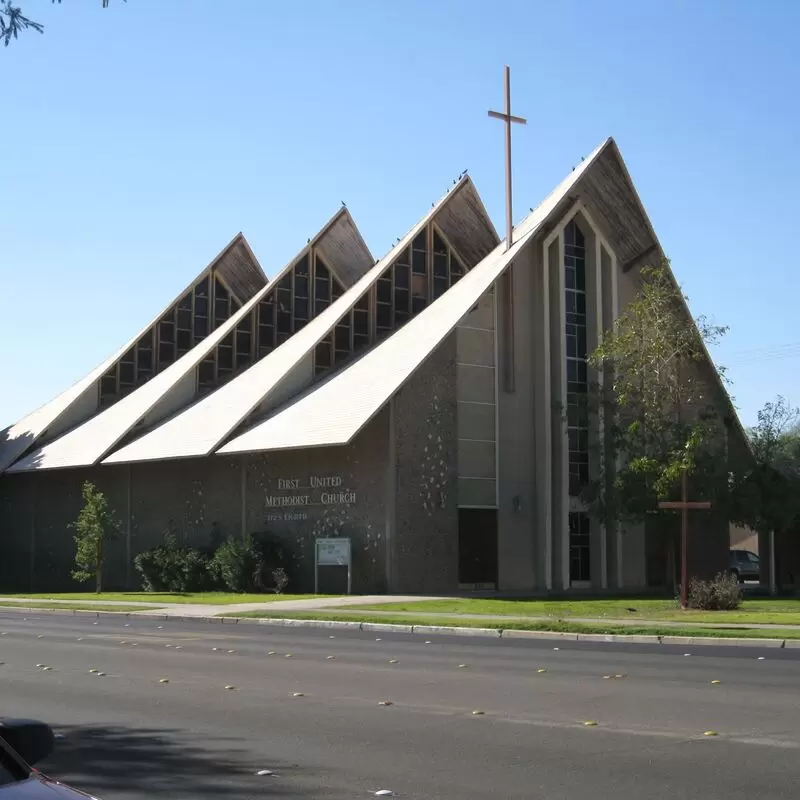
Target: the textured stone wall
(354, 506)
(424, 557)
(37, 543)
(188, 497)
(15, 532)
(196, 499)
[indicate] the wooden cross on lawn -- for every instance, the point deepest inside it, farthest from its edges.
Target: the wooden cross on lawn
(684, 505)
(509, 120)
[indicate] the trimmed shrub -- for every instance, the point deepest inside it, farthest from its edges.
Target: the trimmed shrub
(169, 568)
(246, 565)
(723, 593)
(237, 565)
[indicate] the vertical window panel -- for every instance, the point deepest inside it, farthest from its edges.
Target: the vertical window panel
(576, 355)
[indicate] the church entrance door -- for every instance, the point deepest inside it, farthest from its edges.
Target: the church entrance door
(477, 548)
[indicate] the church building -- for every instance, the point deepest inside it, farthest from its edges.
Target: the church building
(425, 406)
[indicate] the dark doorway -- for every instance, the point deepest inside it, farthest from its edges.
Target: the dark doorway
(477, 546)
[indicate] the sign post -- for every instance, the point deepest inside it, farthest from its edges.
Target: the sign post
(332, 553)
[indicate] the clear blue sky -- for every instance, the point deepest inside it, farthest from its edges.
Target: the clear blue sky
(139, 139)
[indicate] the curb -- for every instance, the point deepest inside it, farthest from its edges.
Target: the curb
(484, 633)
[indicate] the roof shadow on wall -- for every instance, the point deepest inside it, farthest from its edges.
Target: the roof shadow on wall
(20, 445)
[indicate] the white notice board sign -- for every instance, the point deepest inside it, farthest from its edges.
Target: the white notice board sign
(332, 553)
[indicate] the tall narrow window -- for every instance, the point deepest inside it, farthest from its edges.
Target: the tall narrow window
(579, 548)
(222, 303)
(577, 374)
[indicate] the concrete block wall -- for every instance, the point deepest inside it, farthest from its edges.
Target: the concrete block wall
(424, 538)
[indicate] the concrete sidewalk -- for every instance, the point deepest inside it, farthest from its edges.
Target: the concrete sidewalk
(330, 605)
(162, 609)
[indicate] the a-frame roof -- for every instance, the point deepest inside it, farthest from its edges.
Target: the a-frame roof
(201, 429)
(235, 264)
(333, 412)
(90, 442)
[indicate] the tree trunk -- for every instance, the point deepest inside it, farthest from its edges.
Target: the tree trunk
(99, 568)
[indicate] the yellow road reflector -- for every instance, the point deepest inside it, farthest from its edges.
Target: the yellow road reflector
(477, 713)
(590, 723)
(93, 671)
(462, 666)
(392, 660)
(716, 682)
(710, 733)
(272, 653)
(607, 677)
(297, 694)
(541, 669)
(230, 686)
(289, 655)
(46, 669)
(163, 680)
(385, 703)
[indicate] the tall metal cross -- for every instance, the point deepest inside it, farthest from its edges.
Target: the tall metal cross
(507, 117)
(684, 506)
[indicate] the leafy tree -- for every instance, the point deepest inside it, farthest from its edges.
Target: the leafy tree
(767, 492)
(660, 415)
(663, 412)
(96, 524)
(13, 21)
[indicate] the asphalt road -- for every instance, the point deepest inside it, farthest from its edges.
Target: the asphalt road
(126, 735)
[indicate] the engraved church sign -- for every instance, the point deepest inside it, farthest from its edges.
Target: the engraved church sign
(297, 494)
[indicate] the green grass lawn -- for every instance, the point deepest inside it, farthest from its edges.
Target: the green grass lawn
(209, 598)
(560, 626)
(762, 610)
(51, 605)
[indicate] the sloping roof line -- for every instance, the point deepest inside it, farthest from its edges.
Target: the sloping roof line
(333, 412)
(90, 442)
(707, 355)
(200, 429)
(20, 436)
